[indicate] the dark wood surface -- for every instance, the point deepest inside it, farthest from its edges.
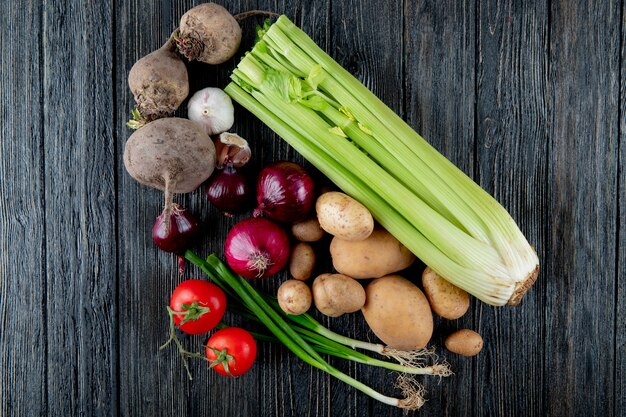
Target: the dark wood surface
(529, 98)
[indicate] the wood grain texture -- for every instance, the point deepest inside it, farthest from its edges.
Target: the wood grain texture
(80, 209)
(584, 58)
(23, 340)
(439, 88)
(620, 242)
(511, 143)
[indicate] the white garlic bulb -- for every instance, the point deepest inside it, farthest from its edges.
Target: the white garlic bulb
(212, 109)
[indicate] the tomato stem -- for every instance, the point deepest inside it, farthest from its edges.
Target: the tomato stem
(184, 354)
(222, 357)
(192, 312)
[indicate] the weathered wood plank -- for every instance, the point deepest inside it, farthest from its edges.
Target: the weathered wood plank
(151, 382)
(23, 340)
(80, 209)
(439, 99)
(582, 150)
(512, 128)
(620, 282)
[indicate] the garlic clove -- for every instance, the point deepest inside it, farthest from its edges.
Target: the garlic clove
(232, 148)
(212, 109)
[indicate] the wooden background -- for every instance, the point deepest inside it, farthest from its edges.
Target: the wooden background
(527, 97)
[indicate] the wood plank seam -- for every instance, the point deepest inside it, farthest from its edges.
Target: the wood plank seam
(621, 118)
(42, 173)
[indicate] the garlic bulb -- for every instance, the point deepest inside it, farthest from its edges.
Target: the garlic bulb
(212, 109)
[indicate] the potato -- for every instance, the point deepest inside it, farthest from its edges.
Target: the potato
(465, 342)
(336, 294)
(302, 261)
(343, 216)
(398, 313)
(378, 255)
(307, 230)
(446, 300)
(294, 297)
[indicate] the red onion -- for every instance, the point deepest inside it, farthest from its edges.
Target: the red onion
(257, 248)
(174, 235)
(285, 192)
(228, 190)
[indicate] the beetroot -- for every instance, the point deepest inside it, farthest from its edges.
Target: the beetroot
(208, 33)
(159, 83)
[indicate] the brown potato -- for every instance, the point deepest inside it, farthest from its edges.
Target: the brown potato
(302, 261)
(336, 294)
(343, 216)
(446, 300)
(378, 255)
(307, 230)
(294, 297)
(465, 342)
(398, 313)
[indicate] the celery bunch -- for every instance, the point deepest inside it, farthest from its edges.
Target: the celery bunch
(427, 203)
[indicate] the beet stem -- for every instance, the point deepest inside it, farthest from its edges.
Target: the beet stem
(251, 13)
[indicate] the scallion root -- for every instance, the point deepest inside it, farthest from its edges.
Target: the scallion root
(442, 369)
(412, 391)
(409, 357)
(415, 359)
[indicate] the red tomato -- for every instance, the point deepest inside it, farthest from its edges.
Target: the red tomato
(203, 302)
(231, 351)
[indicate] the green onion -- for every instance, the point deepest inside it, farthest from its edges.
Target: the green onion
(337, 124)
(322, 344)
(307, 344)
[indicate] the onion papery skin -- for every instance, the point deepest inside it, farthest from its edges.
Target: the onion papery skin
(285, 192)
(175, 238)
(229, 190)
(257, 248)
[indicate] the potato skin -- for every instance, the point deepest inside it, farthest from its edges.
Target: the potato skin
(343, 216)
(336, 294)
(378, 255)
(307, 230)
(294, 297)
(465, 342)
(446, 300)
(302, 261)
(398, 313)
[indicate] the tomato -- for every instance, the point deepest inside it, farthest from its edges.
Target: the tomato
(231, 351)
(203, 303)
